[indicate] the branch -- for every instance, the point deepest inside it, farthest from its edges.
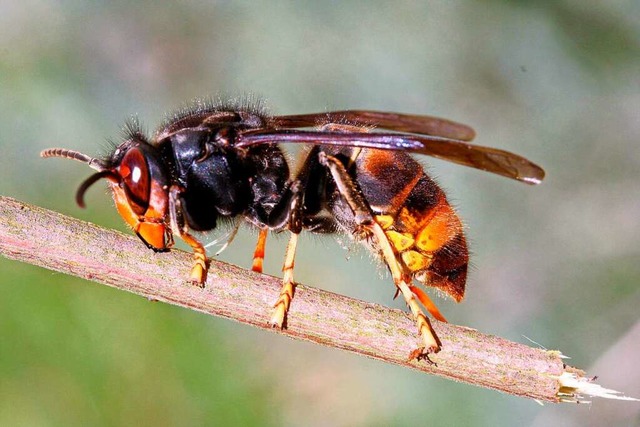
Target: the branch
(51, 240)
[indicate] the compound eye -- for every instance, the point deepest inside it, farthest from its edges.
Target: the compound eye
(134, 172)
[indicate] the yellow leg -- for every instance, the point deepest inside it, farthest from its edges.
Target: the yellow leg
(281, 307)
(429, 338)
(368, 225)
(198, 273)
(258, 254)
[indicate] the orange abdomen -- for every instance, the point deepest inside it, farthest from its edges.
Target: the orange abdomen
(421, 225)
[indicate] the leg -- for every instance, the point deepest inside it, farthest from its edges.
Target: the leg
(364, 219)
(294, 222)
(199, 270)
(427, 303)
(230, 238)
(258, 254)
(429, 337)
(286, 294)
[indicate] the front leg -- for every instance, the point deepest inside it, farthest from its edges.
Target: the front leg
(179, 226)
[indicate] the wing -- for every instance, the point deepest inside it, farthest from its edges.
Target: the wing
(484, 158)
(381, 120)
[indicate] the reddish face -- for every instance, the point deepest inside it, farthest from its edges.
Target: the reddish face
(141, 195)
(139, 186)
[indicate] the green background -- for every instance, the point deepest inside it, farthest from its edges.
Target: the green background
(558, 82)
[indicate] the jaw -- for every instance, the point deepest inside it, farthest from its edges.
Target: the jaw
(151, 227)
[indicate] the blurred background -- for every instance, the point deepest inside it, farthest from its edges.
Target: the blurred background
(558, 82)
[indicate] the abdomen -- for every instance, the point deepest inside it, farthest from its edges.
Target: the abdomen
(421, 225)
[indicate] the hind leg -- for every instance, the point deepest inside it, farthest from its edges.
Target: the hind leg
(368, 226)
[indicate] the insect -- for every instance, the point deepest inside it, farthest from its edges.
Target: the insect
(211, 163)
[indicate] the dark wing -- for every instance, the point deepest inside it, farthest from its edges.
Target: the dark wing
(484, 158)
(381, 120)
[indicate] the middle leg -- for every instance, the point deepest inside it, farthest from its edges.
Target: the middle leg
(281, 307)
(258, 254)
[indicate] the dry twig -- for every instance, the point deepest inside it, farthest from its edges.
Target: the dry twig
(51, 240)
